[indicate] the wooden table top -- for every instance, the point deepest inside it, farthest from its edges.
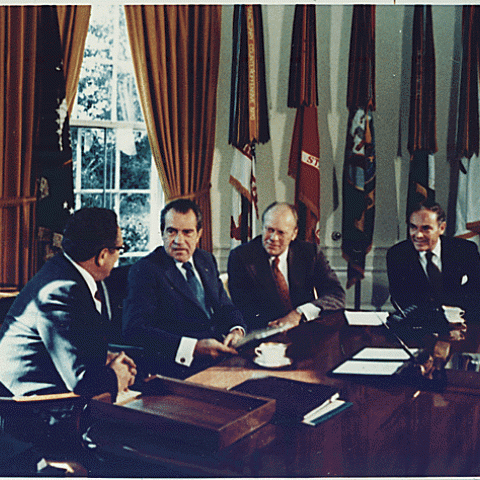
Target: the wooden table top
(392, 429)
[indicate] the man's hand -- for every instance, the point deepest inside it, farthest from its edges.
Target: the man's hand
(124, 368)
(212, 348)
(292, 320)
(233, 337)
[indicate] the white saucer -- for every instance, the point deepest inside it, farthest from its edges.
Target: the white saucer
(283, 362)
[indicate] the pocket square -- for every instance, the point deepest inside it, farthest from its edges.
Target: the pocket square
(464, 279)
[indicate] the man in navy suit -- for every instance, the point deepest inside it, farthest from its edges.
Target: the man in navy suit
(54, 337)
(430, 269)
(276, 279)
(176, 306)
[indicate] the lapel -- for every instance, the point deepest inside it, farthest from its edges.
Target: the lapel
(261, 271)
(296, 269)
(178, 281)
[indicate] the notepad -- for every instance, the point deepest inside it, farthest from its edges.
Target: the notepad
(366, 318)
(383, 353)
(368, 367)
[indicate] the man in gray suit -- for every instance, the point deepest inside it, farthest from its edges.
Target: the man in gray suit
(54, 337)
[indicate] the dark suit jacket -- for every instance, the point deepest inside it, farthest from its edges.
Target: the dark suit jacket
(409, 285)
(253, 289)
(53, 339)
(160, 308)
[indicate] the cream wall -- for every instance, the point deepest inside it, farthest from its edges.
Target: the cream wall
(393, 53)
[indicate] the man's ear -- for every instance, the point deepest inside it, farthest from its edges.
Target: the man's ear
(102, 256)
(295, 233)
(442, 227)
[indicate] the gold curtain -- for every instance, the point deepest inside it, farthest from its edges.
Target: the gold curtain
(73, 21)
(18, 46)
(175, 50)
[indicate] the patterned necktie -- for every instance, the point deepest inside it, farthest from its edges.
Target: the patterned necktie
(434, 276)
(281, 283)
(194, 284)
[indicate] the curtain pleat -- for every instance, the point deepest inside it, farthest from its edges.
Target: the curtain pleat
(175, 50)
(73, 21)
(18, 48)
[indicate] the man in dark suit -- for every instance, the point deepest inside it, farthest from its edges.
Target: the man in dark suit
(299, 288)
(54, 337)
(430, 269)
(176, 306)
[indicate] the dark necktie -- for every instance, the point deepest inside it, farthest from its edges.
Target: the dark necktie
(194, 284)
(281, 283)
(434, 276)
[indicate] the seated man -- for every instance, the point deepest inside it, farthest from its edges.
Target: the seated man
(273, 278)
(176, 306)
(54, 337)
(430, 269)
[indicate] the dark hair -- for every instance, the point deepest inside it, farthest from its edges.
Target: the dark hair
(431, 206)
(88, 232)
(181, 205)
(285, 204)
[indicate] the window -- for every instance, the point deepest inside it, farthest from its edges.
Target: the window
(112, 161)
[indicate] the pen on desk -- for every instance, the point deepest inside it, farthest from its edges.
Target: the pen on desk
(400, 341)
(313, 413)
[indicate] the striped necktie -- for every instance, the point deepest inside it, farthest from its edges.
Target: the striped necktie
(434, 277)
(194, 284)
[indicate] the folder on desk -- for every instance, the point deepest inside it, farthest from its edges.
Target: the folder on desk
(296, 400)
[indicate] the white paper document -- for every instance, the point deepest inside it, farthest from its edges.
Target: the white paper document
(366, 318)
(368, 367)
(383, 353)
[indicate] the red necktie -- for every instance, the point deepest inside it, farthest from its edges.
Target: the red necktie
(281, 283)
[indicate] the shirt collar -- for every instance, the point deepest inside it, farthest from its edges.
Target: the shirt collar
(87, 276)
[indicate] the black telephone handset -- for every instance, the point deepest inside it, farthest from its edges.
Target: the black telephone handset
(416, 321)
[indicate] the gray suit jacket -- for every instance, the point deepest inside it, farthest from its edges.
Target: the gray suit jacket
(253, 289)
(53, 339)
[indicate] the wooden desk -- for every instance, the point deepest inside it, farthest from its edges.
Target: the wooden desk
(391, 429)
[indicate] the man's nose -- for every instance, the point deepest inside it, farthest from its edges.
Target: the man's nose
(274, 235)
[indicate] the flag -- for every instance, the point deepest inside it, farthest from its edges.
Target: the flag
(248, 116)
(52, 150)
(359, 162)
(304, 159)
(422, 141)
(468, 192)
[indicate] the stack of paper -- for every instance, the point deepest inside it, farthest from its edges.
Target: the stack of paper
(374, 361)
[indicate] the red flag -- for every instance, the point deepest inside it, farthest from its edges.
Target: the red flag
(303, 165)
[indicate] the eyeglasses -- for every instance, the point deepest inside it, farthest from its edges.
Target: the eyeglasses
(121, 249)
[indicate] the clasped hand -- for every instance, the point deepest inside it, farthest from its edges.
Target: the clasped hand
(124, 367)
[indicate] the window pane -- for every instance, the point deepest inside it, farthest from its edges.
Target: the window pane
(92, 200)
(100, 33)
(134, 215)
(95, 92)
(135, 168)
(128, 105)
(125, 53)
(98, 160)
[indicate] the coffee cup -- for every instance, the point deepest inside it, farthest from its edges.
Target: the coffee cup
(271, 352)
(453, 314)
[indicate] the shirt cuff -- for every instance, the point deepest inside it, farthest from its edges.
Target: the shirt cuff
(309, 311)
(185, 351)
(238, 326)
